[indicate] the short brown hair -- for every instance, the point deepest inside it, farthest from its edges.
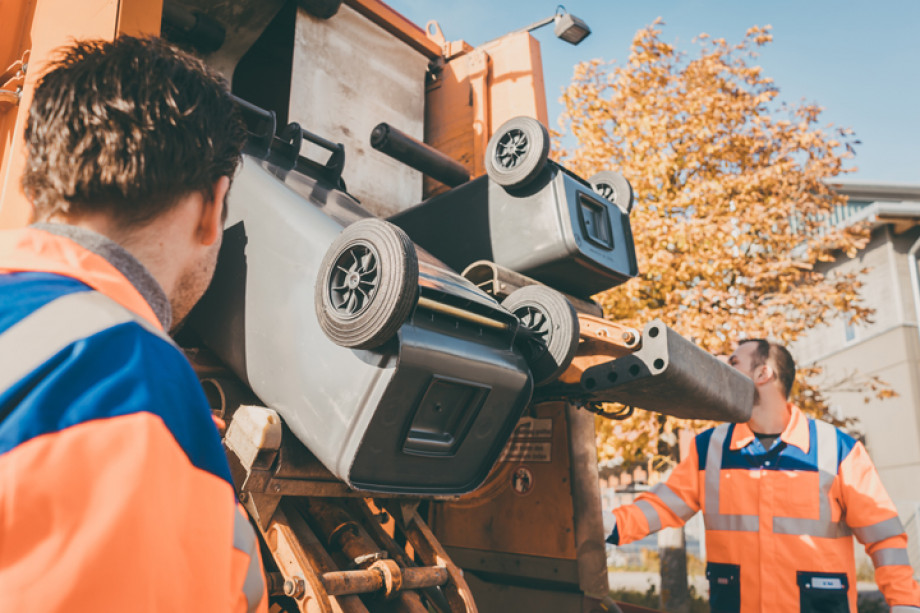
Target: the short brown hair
(126, 128)
(780, 359)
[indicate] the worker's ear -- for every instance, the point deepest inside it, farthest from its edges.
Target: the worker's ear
(212, 213)
(763, 374)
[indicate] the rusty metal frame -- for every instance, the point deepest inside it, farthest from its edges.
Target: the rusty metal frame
(429, 550)
(311, 540)
(328, 550)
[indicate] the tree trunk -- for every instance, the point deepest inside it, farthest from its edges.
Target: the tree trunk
(672, 550)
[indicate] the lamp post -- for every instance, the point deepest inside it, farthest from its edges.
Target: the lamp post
(567, 27)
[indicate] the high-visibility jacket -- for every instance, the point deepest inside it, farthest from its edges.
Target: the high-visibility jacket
(115, 493)
(779, 522)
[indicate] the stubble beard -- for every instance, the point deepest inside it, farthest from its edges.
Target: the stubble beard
(191, 286)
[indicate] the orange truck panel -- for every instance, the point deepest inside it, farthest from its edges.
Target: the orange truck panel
(477, 91)
(527, 494)
(39, 28)
(516, 85)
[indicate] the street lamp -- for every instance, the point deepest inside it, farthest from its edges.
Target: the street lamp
(568, 27)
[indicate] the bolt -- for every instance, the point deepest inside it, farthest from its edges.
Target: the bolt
(369, 558)
(294, 587)
(628, 336)
(352, 280)
(244, 497)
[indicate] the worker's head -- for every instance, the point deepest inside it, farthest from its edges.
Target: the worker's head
(129, 133)
(126, 128)
(766, 363)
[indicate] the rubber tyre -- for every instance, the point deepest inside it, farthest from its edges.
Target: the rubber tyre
(556, 323)
(614, 187)
(517, 152)
(367, 284)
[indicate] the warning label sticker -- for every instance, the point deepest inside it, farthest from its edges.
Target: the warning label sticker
(532, 427)
(528, 452)
(531, 442)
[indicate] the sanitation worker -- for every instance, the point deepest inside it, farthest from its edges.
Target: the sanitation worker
(115, 494)
(782, 496)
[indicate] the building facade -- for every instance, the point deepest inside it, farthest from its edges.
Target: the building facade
(887, 347)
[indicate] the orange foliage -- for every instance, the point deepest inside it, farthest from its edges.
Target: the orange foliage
(731, 206)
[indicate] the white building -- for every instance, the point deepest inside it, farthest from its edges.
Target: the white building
(888, 347)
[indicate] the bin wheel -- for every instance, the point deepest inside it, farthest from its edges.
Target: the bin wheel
(552, 338)
(517, 152)
(614, 187)
(367, 284)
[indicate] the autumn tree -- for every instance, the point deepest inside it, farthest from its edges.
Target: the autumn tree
(732, 214)
(732, 211)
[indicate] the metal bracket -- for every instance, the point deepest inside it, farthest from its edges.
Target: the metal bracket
(671, 375)
(600, 341)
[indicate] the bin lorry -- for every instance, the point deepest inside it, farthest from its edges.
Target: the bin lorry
(400, 334)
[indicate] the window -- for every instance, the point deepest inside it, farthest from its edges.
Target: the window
(849, 329)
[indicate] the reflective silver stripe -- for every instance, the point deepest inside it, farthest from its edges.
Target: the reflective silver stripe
(903, 608)
(823, 527)
(892, 556)
(651, 515)
(243, 536)
(714, 468)
(244, 539)
(735, 523)
(713, 519)
(879, 532)
(673, 501)
(30, 342)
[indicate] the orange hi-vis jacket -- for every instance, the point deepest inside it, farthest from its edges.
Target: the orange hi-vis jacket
(779, 522)
(115, 493)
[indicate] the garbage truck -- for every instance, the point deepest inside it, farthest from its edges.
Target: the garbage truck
(400, 334)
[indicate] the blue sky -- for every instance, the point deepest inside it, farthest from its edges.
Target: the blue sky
(859, 60)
